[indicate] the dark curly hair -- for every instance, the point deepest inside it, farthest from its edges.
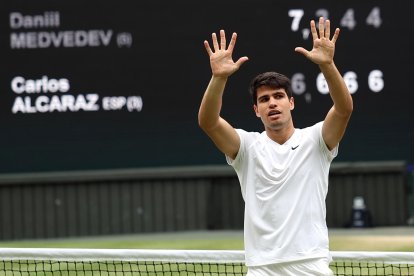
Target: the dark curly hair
(272, 79)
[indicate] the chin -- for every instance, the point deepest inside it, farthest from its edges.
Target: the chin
(277, 125)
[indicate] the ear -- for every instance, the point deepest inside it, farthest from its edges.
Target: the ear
(292, 103)
(256, 110)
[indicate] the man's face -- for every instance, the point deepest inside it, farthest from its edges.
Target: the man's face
(274, 107)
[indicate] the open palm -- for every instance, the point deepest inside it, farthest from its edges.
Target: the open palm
(221, 60)
(323, 47)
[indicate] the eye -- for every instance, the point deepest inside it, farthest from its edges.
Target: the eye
(263, 99)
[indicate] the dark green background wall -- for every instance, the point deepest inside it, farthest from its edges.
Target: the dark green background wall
(163, 61)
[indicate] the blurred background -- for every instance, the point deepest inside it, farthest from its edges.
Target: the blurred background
(99, 102)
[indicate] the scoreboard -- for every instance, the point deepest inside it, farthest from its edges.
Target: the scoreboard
(117, 84)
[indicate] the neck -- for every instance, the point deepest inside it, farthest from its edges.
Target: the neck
(281, 135)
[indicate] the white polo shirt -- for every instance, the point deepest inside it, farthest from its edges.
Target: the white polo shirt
(284, 188)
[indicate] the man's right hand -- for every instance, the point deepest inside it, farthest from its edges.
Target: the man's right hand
(221, 60)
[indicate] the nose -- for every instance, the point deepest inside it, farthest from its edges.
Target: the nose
(272, 102)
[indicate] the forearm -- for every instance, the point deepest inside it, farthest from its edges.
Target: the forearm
(209, 112)
(338, 90)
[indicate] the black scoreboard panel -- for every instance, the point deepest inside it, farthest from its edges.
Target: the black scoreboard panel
(117, 84)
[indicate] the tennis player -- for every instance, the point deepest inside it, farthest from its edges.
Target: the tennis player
(283, 171)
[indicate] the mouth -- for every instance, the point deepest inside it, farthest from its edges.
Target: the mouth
(273, 113)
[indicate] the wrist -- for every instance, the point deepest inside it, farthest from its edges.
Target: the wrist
(327, 66)
(219, 78)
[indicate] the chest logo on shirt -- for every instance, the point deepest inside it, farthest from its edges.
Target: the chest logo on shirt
(293, 148)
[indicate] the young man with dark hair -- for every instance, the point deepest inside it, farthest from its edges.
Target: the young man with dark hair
(283, 171)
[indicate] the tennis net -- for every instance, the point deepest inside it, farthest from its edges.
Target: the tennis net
(46, 261)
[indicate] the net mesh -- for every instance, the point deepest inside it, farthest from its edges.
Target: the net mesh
(119, 268)
(185, 262)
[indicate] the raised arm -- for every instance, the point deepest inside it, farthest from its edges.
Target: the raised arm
(222, 65)
(322, 54)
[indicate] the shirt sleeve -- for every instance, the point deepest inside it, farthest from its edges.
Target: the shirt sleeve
(330, 154)
(240, 154)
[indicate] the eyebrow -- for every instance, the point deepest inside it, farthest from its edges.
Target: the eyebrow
(262, 97)
(276, 93)
(279, 93)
